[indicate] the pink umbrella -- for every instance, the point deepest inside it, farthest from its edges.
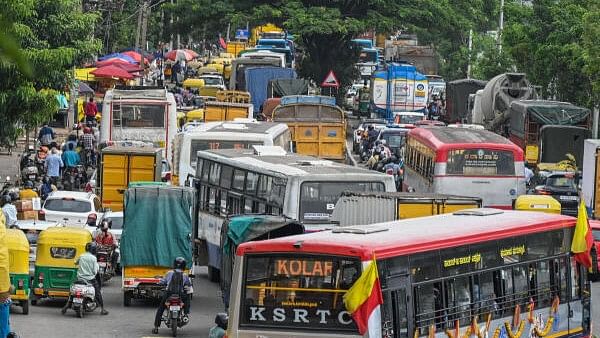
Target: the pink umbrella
(194, 54)
(179, 54)
(135, 55)
(112, 71)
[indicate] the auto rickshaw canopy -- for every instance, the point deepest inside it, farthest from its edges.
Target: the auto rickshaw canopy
(542, 203)
(18, 251)
(61, 246)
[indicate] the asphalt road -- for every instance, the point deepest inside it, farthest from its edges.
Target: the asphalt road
(45, 319)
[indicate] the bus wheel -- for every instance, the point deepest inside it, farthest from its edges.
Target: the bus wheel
(213, 274)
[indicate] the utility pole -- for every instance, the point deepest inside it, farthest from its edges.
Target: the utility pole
(500, 26)
(470, 49)
(171, 22)
(145, 11)
(139, 25)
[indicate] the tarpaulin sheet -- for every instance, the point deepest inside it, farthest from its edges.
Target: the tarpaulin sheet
(257, 80)
(545, 113)
(157, 225)
(285, 87)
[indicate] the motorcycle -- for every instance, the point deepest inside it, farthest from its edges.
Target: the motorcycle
(395, 169)
(104, 255)
(82, 298)
(174, 317)
(74, 178)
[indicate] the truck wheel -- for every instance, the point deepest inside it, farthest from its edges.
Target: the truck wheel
(213, 274)
(127, 295)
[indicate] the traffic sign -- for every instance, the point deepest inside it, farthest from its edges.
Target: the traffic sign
(242, 34)
(331, 80)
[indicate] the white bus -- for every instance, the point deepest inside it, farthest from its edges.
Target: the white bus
(222, 135)
(242, 181)
(148, 115)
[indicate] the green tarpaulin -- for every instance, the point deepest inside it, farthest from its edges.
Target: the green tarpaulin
(545, 113)
(157, 225)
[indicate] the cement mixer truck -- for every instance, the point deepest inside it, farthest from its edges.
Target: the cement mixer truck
(492, 110)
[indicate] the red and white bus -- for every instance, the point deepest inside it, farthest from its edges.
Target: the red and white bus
(466, 162)
(474, 273)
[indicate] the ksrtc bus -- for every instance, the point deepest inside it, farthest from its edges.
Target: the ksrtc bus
(474, 273)
(464, 161)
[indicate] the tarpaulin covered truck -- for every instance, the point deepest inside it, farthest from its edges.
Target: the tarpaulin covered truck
(157, 228)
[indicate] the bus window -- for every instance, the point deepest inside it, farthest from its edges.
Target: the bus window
(239, 177)
(484, 297)
(251, 183)
(480, 162)
(521, 284)
(138, 116)
(297, 292)
(457, 296)
(317, 199)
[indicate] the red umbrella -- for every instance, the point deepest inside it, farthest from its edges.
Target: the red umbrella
(112, 71)
(179, 54)
(129, 67)
(135, 55)
(194, 54)
(112, 61)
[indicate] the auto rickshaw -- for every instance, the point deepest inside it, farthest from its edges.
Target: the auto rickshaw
(18, 252)
(542, 203)
(58, 248)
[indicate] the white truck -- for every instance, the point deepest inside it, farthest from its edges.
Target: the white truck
(591, 176)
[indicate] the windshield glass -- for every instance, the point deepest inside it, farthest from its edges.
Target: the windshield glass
(274, 43)
(298, 292)
(138, 115)
(561, 182)
(407, 119)
(317, 199)
(68, 205)
(393, 140)
(367, 56)
(480, 162)
(197, 145)
(117, 223)
(212, 81)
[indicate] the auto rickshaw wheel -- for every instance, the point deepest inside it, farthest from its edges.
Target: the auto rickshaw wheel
(25, 306)
(34, 301)
(127, 295)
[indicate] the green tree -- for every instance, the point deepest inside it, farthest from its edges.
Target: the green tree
(54, 36)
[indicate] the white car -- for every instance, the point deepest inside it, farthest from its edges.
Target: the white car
(71, 208)
(32, 229)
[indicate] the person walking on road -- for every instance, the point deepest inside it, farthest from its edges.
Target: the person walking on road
(90, 110)
(9, 211)
(46, 135)
(53, 164)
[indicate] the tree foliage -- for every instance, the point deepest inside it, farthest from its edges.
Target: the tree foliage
(54, 36)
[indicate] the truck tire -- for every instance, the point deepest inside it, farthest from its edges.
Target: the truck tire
(214, 274)
(127, 295)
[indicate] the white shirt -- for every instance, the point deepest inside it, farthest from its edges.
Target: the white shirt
(10, 213)
(528, 175)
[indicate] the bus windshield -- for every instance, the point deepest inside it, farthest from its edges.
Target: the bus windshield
(139, 115)
(367, 56)
(480, 162)
(298, 292)
(317, 199)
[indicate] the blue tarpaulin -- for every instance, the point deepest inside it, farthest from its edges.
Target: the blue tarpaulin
(257, 81)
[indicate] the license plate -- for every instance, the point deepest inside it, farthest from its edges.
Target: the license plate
(32, 177)
(101, 264)
(174, 308)
(77, 300)
(568, 198)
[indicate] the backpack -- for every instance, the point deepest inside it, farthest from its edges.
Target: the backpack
(176, 284)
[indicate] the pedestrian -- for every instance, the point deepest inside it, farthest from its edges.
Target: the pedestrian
(5, 286)
(70, 157)
(528, 174)
(53, 165)
(9, 211)
(46, 135)
(175, 72)
(90, 110)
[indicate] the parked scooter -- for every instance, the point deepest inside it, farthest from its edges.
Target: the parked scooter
(174, 317)
(82, 298)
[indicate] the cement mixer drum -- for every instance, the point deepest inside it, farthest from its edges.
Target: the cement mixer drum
(499, 92)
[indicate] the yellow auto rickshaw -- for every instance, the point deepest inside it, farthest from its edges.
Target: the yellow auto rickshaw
(542, 203)
(58, 248)
(18, 253)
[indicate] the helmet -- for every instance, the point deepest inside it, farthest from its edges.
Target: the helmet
(179, 263)
(383, 141)
(222, 320)
(91, 219)
(106, 224)
(6, 198)
(87, 130)
(91, 247)
(29, 185)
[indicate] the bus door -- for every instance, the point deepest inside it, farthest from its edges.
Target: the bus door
(397, 307)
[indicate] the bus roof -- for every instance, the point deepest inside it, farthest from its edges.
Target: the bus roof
(415, 235)
(238, 127)
(286, 165)
(444, 138)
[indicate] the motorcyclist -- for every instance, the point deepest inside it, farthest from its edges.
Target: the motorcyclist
(219, 330)
(70, 157)
(46, 135)
(88, 272)
(88, 141)
(28, 193)
(177, 283)
(46, 188)
(106, 238)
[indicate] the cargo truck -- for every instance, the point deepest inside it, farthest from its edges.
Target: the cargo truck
(121, 165)
(157, 227)
(357, 208)
(591, 177)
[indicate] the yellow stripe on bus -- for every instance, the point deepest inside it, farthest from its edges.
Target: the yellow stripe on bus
(294, 289)
(565, 332)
